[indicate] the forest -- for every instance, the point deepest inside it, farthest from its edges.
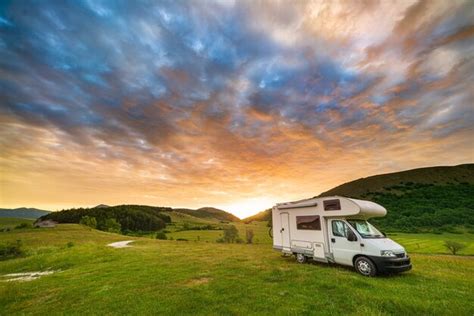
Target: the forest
(130, 217)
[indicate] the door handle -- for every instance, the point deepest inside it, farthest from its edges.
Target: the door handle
(333, 240)
(281, 230)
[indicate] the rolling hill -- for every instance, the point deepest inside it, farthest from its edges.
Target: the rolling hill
(23, 212)
(443, 175)
(134, 218)
(209, 213)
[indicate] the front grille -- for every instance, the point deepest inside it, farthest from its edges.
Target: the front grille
(400, 255)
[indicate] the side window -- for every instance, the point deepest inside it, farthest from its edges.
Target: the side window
(308, 222)
(332, 205)
(339, 228)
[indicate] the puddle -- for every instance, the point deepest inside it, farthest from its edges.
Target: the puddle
(25, 276)
(120, 244)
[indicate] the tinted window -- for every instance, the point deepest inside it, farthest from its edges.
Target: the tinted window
(308, 222)
(339, 228)
(332, 205)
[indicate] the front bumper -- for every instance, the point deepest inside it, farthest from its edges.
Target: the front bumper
(391, 265)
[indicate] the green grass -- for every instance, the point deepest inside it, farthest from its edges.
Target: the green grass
(172, 277)
(13, 222)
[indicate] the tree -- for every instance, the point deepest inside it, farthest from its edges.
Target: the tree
(161, 235)
(249, 235)
(88, 221)
(230, 233)
(111, 225)
(454, 246)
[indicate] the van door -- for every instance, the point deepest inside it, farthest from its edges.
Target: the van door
(285, 231)
(342, 249)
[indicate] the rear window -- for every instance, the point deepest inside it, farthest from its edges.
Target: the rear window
(332, 205)
(308, 222)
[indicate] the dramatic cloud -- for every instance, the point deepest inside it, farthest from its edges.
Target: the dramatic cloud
(233, 104)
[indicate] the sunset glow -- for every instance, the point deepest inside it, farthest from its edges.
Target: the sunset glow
(230, 104)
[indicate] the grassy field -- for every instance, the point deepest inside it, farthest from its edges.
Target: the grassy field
(13, 222)
(173, 277)
(414, 243)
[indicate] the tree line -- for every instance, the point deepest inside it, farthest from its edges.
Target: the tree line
(128, 217)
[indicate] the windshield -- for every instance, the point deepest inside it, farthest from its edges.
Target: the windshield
(365, 229)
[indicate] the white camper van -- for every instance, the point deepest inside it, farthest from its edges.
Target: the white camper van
(335, 229)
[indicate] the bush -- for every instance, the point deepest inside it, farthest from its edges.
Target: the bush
(181, 239)
(11, 250)
(70, 244)
(161, 235)
(220, 240)
(230, 233)
(454, 246)
(249, 235)
(89, 221)
(24, 225)
(111, 225)
(239, 240)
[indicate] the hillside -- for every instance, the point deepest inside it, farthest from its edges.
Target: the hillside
(428, 199)
(134, 218)
(209, 213)
(262, 216)
(130, 217)
(379, 183)
(22, 212)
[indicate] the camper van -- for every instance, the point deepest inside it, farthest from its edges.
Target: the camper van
(335, 230)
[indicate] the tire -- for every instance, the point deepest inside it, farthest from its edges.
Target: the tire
(300, 258)
(365, 266)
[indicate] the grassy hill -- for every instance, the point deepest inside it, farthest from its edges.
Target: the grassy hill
(22, 212)
(209, 213)
(141, 218)
(431, 199)
(199, 278)
(260, 216)
(384, 182)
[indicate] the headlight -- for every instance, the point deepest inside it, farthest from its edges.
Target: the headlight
(387, 253)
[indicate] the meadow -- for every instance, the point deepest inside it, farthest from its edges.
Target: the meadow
(179, 277)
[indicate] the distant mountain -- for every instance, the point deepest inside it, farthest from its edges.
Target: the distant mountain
(101, 206)
(209, 213)
(425, 199)
(23, 212)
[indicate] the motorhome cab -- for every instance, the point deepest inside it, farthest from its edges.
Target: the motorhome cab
(335, 229)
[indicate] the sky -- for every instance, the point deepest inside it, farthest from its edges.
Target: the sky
(232, 104)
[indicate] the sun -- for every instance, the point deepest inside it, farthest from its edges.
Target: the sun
(247, 207)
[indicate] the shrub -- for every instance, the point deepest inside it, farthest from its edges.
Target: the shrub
(24, 225)
(161, 235)
(454, 246)
(11, 250)
(249, 235)
(89, 221)
(239, 240)
(181, 239)
(220, 240)
(230, 234)
(70, 244)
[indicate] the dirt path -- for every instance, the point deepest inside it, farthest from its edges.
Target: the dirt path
(120, 244)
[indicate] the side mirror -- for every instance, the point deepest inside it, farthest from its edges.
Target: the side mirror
(383, 233)
(351, 236)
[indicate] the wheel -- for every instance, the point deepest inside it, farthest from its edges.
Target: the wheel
(301, 258)
(365, 267)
